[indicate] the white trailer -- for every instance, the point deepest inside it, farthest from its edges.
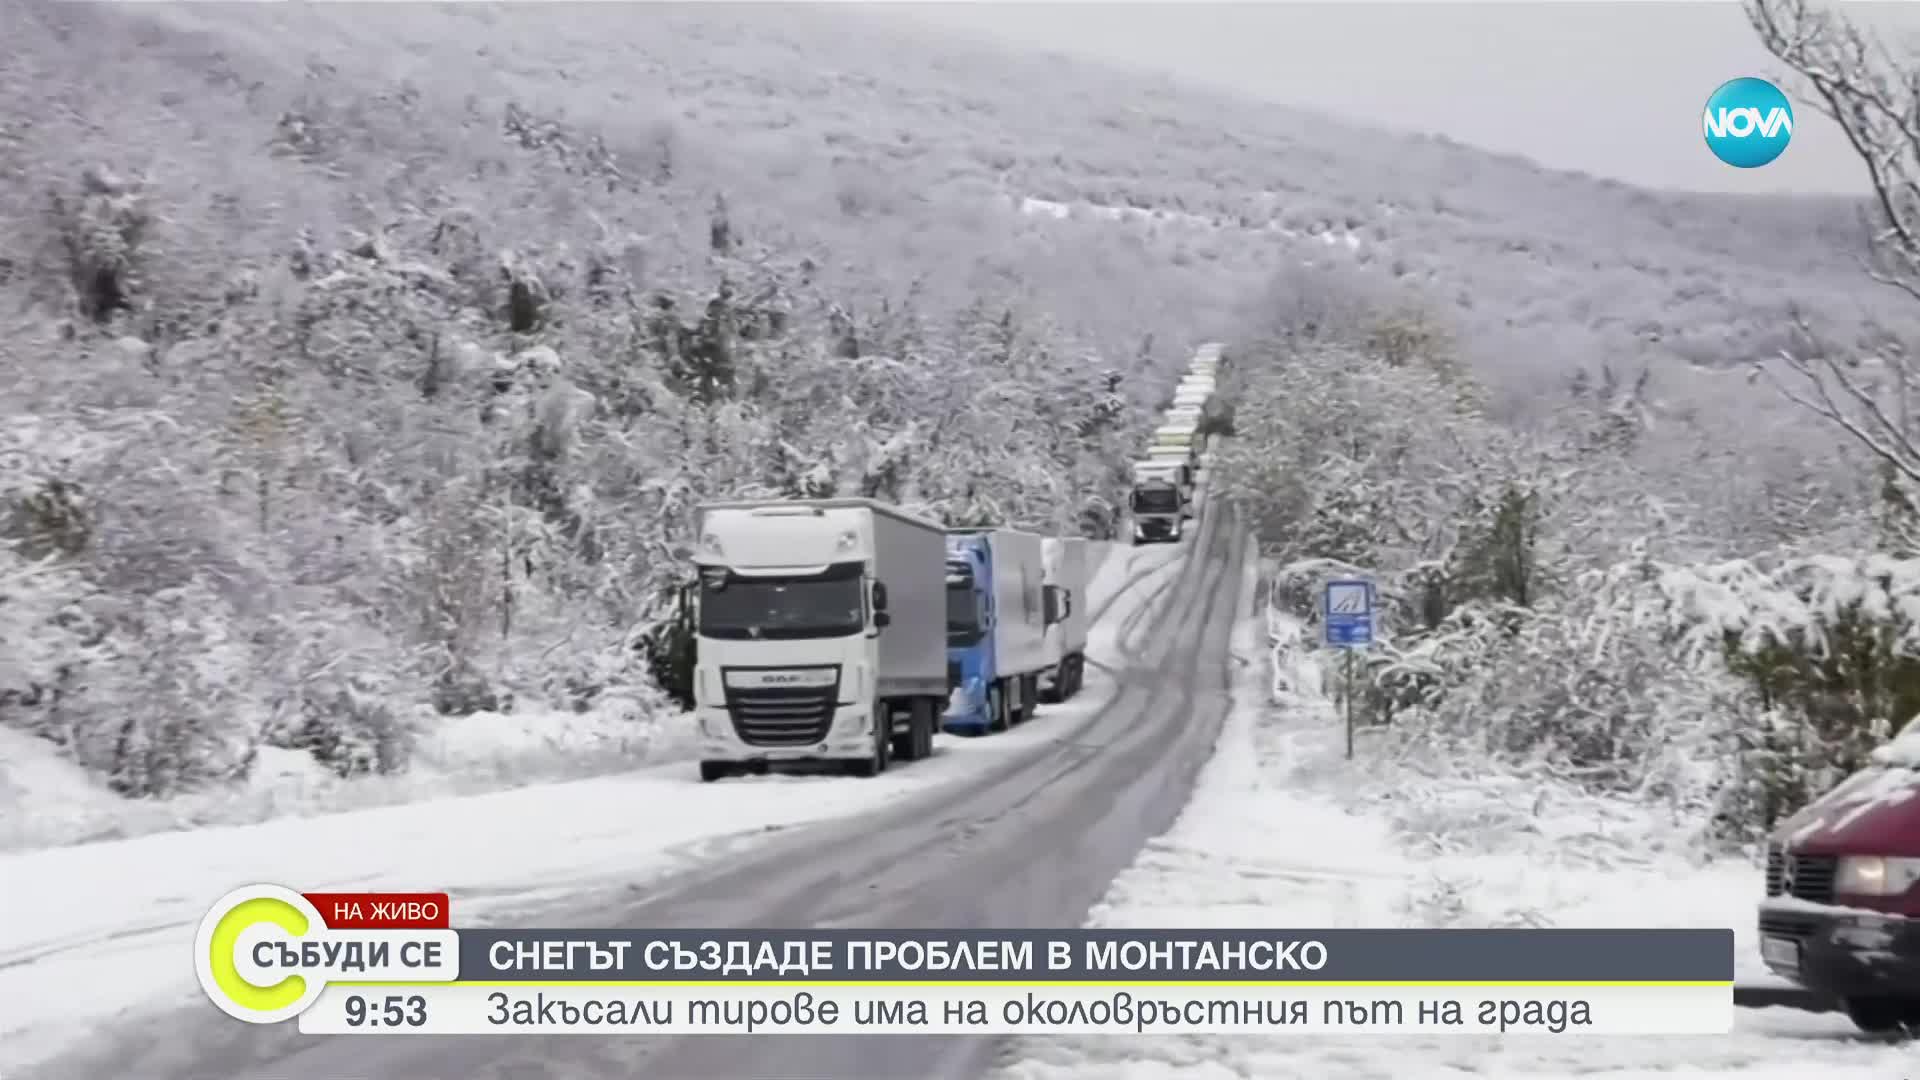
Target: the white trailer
(1068, 614)
(1019, 600)
(820, 634)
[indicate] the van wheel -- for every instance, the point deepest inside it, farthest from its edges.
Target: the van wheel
(1884, 1015)
(714, 770)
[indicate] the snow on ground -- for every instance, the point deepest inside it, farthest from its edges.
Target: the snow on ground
(46, 800)
(113, 917)
(1283, 832)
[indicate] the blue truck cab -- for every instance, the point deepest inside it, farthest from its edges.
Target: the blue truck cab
(972, 682)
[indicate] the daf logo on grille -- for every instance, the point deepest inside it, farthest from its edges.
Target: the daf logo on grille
(781, 678)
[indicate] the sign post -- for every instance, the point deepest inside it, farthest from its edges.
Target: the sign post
(1346, 619)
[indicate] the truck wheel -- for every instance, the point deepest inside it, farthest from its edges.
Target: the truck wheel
(997, 708)
(926, 718)
(1051, 690)
(714, 770)
(882, 754)
(906, 743)
(1073, 675)
(1884, 1015)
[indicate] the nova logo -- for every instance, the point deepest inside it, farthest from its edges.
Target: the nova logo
(1748, 123)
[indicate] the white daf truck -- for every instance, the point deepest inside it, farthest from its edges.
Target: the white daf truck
(1065, 560)
(1159, 502)
(820, 631)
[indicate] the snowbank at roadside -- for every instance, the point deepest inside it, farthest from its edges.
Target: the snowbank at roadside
(1282, 831)
(47, 800)
(115, 916)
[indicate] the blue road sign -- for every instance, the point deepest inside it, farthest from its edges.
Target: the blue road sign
(1347, 617)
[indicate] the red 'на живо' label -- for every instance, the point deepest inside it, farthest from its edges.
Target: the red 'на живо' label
(382, 911)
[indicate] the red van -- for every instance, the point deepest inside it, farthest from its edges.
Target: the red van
(1842, 913)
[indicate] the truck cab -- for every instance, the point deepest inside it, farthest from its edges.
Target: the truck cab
(798, 657)
(996, 628)
(1842, 910)
(974, 700)
(1159, 503)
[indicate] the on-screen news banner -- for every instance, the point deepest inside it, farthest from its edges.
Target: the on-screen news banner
(393, 963)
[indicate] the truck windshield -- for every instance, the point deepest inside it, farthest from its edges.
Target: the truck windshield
(963, 607)
(1156, 500)
(737, 607)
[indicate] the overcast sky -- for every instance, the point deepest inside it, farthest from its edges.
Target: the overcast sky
(1614, 89)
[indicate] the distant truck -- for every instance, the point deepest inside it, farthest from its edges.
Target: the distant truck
(1158, 503)
(996, 628)
(819, 634)
(1178, 435)
(1066, 576)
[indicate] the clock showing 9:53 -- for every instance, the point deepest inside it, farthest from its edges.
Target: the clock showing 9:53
(391, 1011)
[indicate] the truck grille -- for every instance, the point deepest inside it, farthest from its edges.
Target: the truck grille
(782, 716)
(1803, 877)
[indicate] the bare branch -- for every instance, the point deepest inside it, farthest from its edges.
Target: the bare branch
(1873, 96)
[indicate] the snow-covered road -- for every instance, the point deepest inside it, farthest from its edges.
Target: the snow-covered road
(1264, 842)
(94, 931)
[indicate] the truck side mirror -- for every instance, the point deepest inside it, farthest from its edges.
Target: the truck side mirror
(879, 596)
(881, 620)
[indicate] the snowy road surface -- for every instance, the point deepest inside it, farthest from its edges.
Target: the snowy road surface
(1262, 843)
(655, 847)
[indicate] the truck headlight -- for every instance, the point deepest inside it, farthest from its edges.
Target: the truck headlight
(1876, 875)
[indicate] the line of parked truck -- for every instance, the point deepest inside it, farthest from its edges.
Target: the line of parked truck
(848, 632)
(1164, 482)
